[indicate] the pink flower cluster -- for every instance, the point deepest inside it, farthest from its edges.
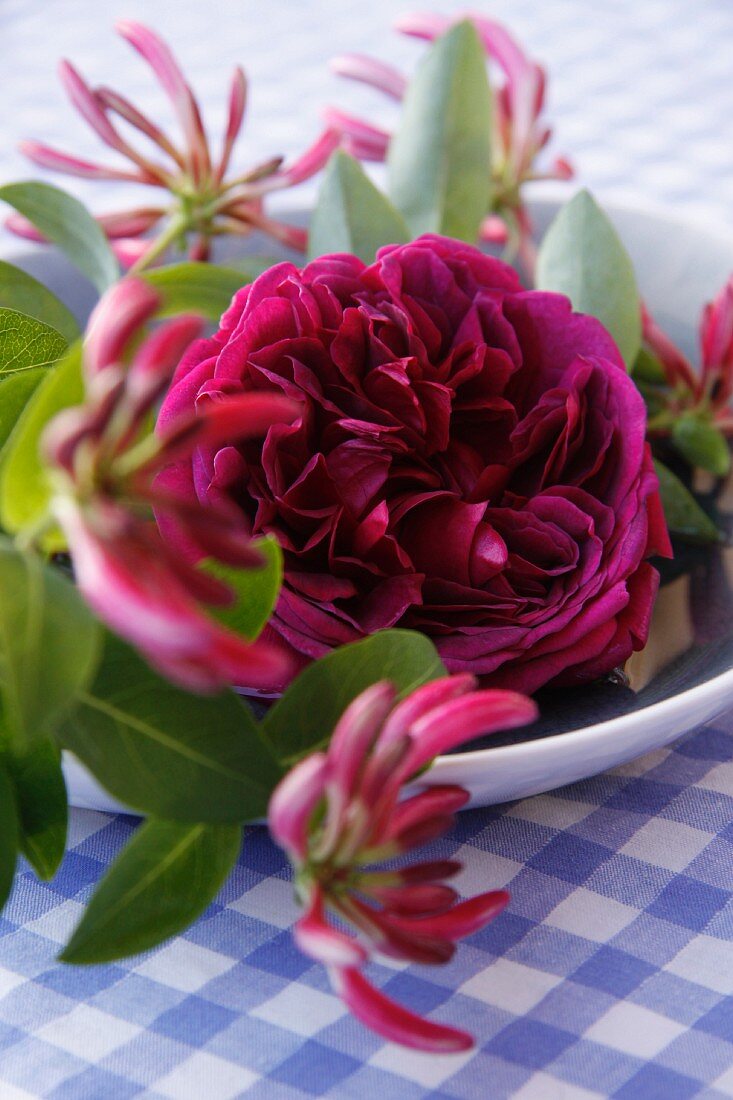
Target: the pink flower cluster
(104, 469)
(519, 132)
(205, 202)
(710, 389)
(338, 813)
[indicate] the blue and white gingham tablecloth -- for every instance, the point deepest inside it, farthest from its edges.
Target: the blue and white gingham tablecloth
(611, 973)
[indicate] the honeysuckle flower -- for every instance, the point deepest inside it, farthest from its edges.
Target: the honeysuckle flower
(207, 199)
(519, 131)
(338, 813)
(705, 392)
(105, 469)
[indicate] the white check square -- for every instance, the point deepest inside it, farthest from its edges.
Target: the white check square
(300, 1009)
(633, 1029)
(88, 1033)
(185, 966)
(591, 916)
(510, 986)
(205, 1075)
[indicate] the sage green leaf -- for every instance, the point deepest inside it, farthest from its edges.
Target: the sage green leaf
(304, 717)
(196, 288)
(166, 752)
(21, 291)
(26, 343)
(67, 223)
(685, 518)
(24, 487)
(351, 214)
(439, 159)
(8, 835)
(701, 444)
(256, 590)
(159, 884)
(40, 793)
(49, 645)
(582, 257)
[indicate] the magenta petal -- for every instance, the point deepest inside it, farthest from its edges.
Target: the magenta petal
(317, 939)
(391, 1020)
(293, 802)
(462, 920)
(116, 318)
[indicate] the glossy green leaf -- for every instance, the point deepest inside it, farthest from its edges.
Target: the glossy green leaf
(26, 343)
(582, 256)
(42, 802)
(24, 486)
(701, 444)
(685, 518)
(256, 590)
(67, 223)
(440, 157)
(49, 645)
(196, 288)
(8, 835)
(159, 884)
(351, 214)
(166, 752)
(21, 291)
(305, 716)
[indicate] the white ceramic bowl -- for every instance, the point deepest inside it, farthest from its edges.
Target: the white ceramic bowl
(679, 266)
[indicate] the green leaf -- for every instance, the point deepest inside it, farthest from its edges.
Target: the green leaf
(582, 256)
(196, 287)
(21, 291)
(166, 752)
(440, 157)
(26, 343)
(159, 884)
(49, 645)
(648, 368)
(256, 590)
(351, 214)
(24, 486)
(8, 835)
(68, 223)
(305, 716)
(701, 444)
(40, 793)
(684, 515)
(15, 393)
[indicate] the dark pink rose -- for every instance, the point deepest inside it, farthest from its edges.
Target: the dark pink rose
(470, 462)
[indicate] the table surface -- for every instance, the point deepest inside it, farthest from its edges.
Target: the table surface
(611, 973)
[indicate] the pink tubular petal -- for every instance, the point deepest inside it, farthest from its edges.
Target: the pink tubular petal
(237, 107)
(421, 701)
(360, 138)
(46, 157)
(355, 734)
(462, 920)
(19, 225)
(115, 320)
(428, 804)
(317, 939)
(153, 365)
(312, 160)
(293, 802)
(243, 416)
(430, 871)
(461, 720)
(414, 836)
(130, 223)
(161, 60)
(391, 1020)
(129, 250)
(115, 102)
(426, 25)
(415, 898)
(493, 230)
(88, 107)
(368, 70)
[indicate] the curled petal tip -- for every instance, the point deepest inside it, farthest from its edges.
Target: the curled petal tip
(293, 802)
(115, 320)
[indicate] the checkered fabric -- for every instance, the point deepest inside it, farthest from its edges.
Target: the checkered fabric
(610, 974)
